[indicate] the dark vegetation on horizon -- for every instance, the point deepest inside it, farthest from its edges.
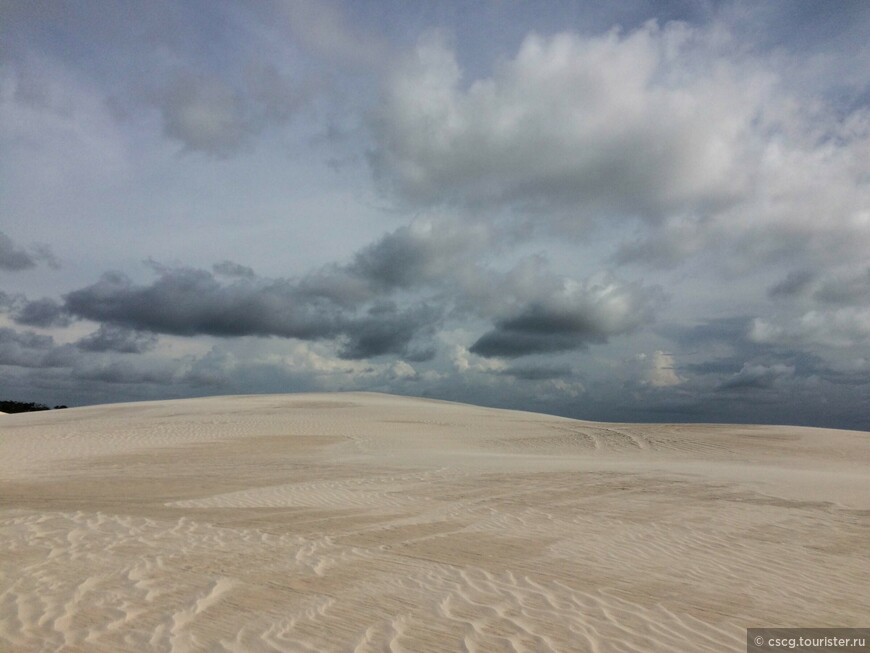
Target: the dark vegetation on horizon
(22, 407)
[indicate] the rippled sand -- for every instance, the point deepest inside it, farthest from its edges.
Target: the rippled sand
(367, 522)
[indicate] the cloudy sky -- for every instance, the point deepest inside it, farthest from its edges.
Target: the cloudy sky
(628, 211)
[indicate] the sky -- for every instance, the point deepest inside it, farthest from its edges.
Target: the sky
(627, 211)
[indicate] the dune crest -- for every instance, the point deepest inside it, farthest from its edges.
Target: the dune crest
(368, 522)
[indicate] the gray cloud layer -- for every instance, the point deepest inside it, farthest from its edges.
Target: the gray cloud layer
(573, 318)
(25, 349)
(612, 123)
(702, 148)
(208, 114)
(14, 258)
(118, 339)
(535, 312)
(190, 302)
(44, 312)
(554, 185)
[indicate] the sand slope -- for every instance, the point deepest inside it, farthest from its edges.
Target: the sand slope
(366, 522)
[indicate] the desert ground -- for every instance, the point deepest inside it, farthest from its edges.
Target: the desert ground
(369, 522)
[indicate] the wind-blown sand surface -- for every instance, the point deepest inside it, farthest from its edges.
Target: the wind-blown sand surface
(367, 522)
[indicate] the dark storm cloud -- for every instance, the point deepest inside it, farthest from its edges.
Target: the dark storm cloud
(42, 313)
(336, 285)
(757, 377)
(395, 262)
(538, 372)
(571, 318)
(349, 303)
(25, 339)
(33, 350)
(230, 269)
(425, 254)
(436, 268)
(508, 340)
(422, 255)
(387, 330)
(718, 366)
(188, 302)
(418, 253)
(117, 339)
(9, 302)
(800, 383)
(727, 330)
(12, 257)
(125, 373)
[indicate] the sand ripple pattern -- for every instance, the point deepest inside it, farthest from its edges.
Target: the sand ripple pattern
(362, 523)
(194, 587)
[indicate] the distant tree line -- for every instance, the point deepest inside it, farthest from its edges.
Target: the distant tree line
(22, 407)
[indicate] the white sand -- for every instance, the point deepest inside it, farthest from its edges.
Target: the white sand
(366, 522)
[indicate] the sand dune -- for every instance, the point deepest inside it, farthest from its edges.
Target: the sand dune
(366, 522)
